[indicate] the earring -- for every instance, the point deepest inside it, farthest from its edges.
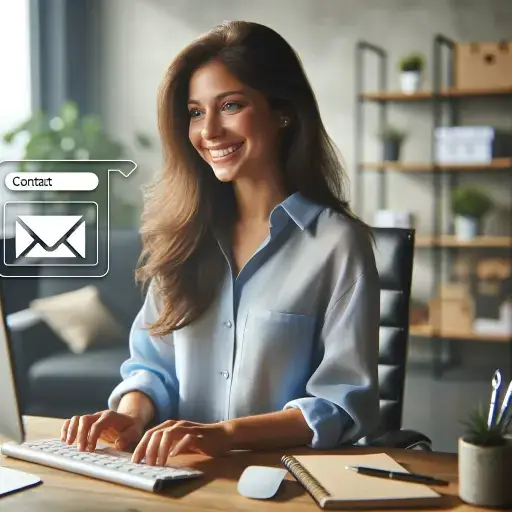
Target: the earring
(285, 121)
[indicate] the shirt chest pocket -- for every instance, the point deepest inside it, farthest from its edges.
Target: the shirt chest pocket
(275, 344)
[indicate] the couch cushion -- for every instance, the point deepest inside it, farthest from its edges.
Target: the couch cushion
(80, 319)
(67, 377)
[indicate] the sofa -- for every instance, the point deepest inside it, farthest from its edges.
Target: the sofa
(52, 379)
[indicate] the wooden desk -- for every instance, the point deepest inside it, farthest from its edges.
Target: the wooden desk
(216, 491)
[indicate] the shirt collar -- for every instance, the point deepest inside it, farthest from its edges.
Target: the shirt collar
(302, 211)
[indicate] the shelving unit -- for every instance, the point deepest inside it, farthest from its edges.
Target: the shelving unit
(428, 331)
(442, 95)
(446, 93)
(499, 164)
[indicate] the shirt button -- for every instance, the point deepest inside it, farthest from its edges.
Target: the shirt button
(225, 373)
(228, 324)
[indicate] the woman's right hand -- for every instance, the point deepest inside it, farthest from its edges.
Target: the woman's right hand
(120, 429)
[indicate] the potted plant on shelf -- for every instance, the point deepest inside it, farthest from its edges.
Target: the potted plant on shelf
(469, 205)
(411, 68)
(392, 138)
(485, 461)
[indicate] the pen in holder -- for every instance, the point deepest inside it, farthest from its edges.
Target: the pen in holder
(485, 453)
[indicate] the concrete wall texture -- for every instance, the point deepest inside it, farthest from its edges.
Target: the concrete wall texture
(141, 37)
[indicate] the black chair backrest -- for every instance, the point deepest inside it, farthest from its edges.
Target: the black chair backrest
(394, 253)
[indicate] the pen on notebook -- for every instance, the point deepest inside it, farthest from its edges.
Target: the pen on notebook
(396, 475)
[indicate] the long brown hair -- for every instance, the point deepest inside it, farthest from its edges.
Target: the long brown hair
(186, 204)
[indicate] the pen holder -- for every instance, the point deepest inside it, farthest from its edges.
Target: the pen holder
(484, 474)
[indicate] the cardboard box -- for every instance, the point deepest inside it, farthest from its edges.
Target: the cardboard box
(483, 65)
(452, 310)
(451, 316)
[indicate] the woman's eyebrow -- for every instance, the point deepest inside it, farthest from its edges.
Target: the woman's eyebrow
(218, 97)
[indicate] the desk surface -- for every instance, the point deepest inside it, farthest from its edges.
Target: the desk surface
(216, 491)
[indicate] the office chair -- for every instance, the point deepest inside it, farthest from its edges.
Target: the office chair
(394, 253)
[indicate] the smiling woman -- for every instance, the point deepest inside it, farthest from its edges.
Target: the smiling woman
(260, 325)
(232, 126)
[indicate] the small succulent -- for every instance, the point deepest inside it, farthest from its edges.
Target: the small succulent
(392, 133)
(412, 62)
(478, 431)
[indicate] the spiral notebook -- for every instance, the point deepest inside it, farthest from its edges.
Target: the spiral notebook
(335, 488)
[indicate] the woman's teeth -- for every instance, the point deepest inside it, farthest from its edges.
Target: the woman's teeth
(219, 153)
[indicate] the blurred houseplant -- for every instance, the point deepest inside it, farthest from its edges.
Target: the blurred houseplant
(392, 138)
(469, 205)
(485, 460)
(71, 136)
(411, 70)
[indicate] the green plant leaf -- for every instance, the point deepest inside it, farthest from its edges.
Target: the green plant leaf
(87, 137)
(392, 133)
(69, 113)
(469, 201)
(414, 61)
(478, 431)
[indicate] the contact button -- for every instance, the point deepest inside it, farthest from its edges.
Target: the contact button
(19, 181)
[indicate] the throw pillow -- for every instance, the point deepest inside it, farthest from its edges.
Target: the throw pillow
(79, 318)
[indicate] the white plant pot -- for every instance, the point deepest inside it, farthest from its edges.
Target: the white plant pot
(466, 228)
(484, 474)
(410, 81)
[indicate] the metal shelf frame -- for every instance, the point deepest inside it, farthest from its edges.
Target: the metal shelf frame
(442, 179)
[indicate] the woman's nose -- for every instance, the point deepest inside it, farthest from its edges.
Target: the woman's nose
(212, 127)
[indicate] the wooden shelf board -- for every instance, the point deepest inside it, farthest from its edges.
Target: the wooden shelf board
(452, 241)
(428, 331)
(427, 95)
(497, 164)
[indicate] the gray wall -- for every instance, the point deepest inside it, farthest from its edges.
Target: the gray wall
(141, 37)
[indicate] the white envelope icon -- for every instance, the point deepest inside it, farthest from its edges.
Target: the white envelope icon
(50, 236)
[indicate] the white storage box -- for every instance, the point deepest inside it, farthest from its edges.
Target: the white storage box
(464, 144)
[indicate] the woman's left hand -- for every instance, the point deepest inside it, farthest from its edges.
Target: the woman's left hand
(172, 438)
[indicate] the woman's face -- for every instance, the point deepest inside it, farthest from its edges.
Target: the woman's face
(231, 125)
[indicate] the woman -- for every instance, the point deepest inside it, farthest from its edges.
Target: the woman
(260, 325)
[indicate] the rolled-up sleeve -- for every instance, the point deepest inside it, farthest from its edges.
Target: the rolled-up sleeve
(150, 368)
(342, 405)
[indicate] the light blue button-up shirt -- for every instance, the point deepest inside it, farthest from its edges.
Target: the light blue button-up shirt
(298, 327)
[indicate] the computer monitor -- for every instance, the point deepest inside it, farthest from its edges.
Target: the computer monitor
(11, 424)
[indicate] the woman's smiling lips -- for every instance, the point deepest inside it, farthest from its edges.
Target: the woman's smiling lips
(222, 153)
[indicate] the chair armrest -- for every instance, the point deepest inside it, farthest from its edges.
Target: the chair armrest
(408, 439)
(22, 320)
(31, 340)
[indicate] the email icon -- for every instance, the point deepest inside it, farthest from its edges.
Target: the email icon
(50, 236)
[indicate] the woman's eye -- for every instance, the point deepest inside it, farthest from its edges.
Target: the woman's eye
(231, 105)
(194, 113)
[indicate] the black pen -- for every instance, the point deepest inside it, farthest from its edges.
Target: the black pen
(394, 475)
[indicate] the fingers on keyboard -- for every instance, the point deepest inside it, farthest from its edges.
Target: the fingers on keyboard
(97, 428)
(64, 431)
(84, 425)
(72, 429)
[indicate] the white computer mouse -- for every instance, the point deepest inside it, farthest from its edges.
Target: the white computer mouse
(260, 482)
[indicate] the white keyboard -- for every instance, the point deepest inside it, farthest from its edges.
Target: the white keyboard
(104, 463)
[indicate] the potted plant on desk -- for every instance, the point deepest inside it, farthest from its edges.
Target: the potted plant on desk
(485, 462)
